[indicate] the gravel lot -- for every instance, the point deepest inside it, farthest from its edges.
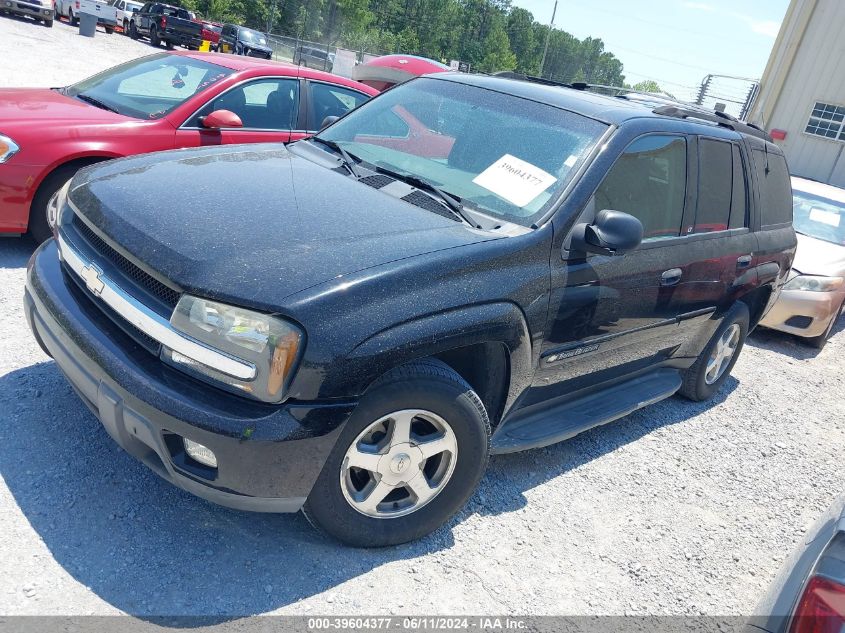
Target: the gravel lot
(678, 509)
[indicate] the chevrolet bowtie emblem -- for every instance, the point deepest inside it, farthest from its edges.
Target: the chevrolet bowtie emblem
(91, 277)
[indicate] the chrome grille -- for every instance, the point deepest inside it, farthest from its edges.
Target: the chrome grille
(165, 294)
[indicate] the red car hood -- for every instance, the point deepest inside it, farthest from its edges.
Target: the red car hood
(28, 105)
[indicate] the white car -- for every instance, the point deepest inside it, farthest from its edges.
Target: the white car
(72, 9)
(125, 9)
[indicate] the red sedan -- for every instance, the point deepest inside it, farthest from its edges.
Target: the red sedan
(160, 102)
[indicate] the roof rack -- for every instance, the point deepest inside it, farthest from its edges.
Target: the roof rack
(722, 119)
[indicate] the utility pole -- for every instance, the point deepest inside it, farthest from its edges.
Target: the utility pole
(548, 37)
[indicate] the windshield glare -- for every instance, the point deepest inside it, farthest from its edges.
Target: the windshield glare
(253, 37)
(150, 87)
(499, 154)
(819, 217)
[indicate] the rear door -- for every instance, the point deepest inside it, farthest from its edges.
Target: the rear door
(267, 106)
(326, 99)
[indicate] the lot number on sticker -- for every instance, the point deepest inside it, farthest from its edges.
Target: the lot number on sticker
(825, 217)
(515, 180)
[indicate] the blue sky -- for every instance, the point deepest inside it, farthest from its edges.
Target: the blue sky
(675, 42)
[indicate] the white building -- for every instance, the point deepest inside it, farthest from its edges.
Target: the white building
(802, 93)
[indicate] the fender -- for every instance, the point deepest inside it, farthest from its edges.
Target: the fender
(500, 322)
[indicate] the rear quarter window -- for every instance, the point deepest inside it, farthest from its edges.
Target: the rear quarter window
(774, 187)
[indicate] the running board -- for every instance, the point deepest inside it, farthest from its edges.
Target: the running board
(551, 425)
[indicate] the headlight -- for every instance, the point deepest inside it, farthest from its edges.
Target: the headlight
(814, 283)
(8, 148)
(269, 343)
(56, 204)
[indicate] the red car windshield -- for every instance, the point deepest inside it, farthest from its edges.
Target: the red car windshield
(150, 87)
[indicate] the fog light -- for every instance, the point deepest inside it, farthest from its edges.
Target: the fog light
(200, 453)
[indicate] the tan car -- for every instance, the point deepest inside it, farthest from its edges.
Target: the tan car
(813, 298)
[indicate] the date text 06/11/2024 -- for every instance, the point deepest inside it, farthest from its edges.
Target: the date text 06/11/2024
(416, 623)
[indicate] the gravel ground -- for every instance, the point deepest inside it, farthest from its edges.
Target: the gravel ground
(681, 508)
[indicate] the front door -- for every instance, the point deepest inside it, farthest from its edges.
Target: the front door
(267, 107)
(612, 316)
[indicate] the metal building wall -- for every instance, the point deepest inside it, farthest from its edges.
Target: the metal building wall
(807, 65)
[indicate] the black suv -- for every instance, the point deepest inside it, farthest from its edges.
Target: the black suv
(240, 40)
(464, 265)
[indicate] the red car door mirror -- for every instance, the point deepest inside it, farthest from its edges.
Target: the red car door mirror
(221, 119)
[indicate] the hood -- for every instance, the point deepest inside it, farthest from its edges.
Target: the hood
(25, 106)
(817, 257)
(253, 224)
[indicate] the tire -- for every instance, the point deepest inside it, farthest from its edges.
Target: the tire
(39, 227)
(125, 27)
(432, 391)
(74, 21)
(698, 384)
(48, 24)
(820, 341)
(133, 30)
(154, 38)
(109, 30)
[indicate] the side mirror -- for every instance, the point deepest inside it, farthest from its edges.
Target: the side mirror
(220, 119)
(611, 233)
(328, 121)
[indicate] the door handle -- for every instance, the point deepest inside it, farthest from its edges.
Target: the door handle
(744, 261)
(671, 277)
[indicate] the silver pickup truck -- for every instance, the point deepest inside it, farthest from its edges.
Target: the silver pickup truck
(42, 10)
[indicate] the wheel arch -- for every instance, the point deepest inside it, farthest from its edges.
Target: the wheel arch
(758, 302)
(488, 345)
(79, 161)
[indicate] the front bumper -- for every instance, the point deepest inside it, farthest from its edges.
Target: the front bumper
(804, 313)
(27, 8)
(268, 456)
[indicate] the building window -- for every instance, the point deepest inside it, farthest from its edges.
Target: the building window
(827, 120)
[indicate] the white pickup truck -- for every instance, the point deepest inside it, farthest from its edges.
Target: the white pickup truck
(71, 9)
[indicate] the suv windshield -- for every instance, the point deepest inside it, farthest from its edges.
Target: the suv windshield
(497, 153)
(819, 217)
(253, 37)
(150, 87)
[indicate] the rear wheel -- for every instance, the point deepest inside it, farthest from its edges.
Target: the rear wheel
(48, 24)
(154, 38)
(73, 19)
(109, 29)
(133, 30)
(409, 457)
(125, 27)
(714, 364)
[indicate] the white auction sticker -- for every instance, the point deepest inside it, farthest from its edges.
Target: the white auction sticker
(825, 217)
(515, 180)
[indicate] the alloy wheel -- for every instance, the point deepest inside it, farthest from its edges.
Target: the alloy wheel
(398, 464)
(722, 354)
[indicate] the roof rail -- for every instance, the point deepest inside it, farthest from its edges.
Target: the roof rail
(509, 74)
(719, 118)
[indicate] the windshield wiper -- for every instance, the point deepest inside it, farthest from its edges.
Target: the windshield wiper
(452, 202)
(96, 102)
(349, 161)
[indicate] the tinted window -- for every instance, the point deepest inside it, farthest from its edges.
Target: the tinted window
(775, 188)
(328, 100)
(266, 104)
(739, 204)
(649, 181)
(715, 184)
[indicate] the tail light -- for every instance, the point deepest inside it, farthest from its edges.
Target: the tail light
(164, 21)
(821, 608)
(76, 4)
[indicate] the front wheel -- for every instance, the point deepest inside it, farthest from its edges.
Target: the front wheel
(706, 376)
(409, 457)
(44, 203)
